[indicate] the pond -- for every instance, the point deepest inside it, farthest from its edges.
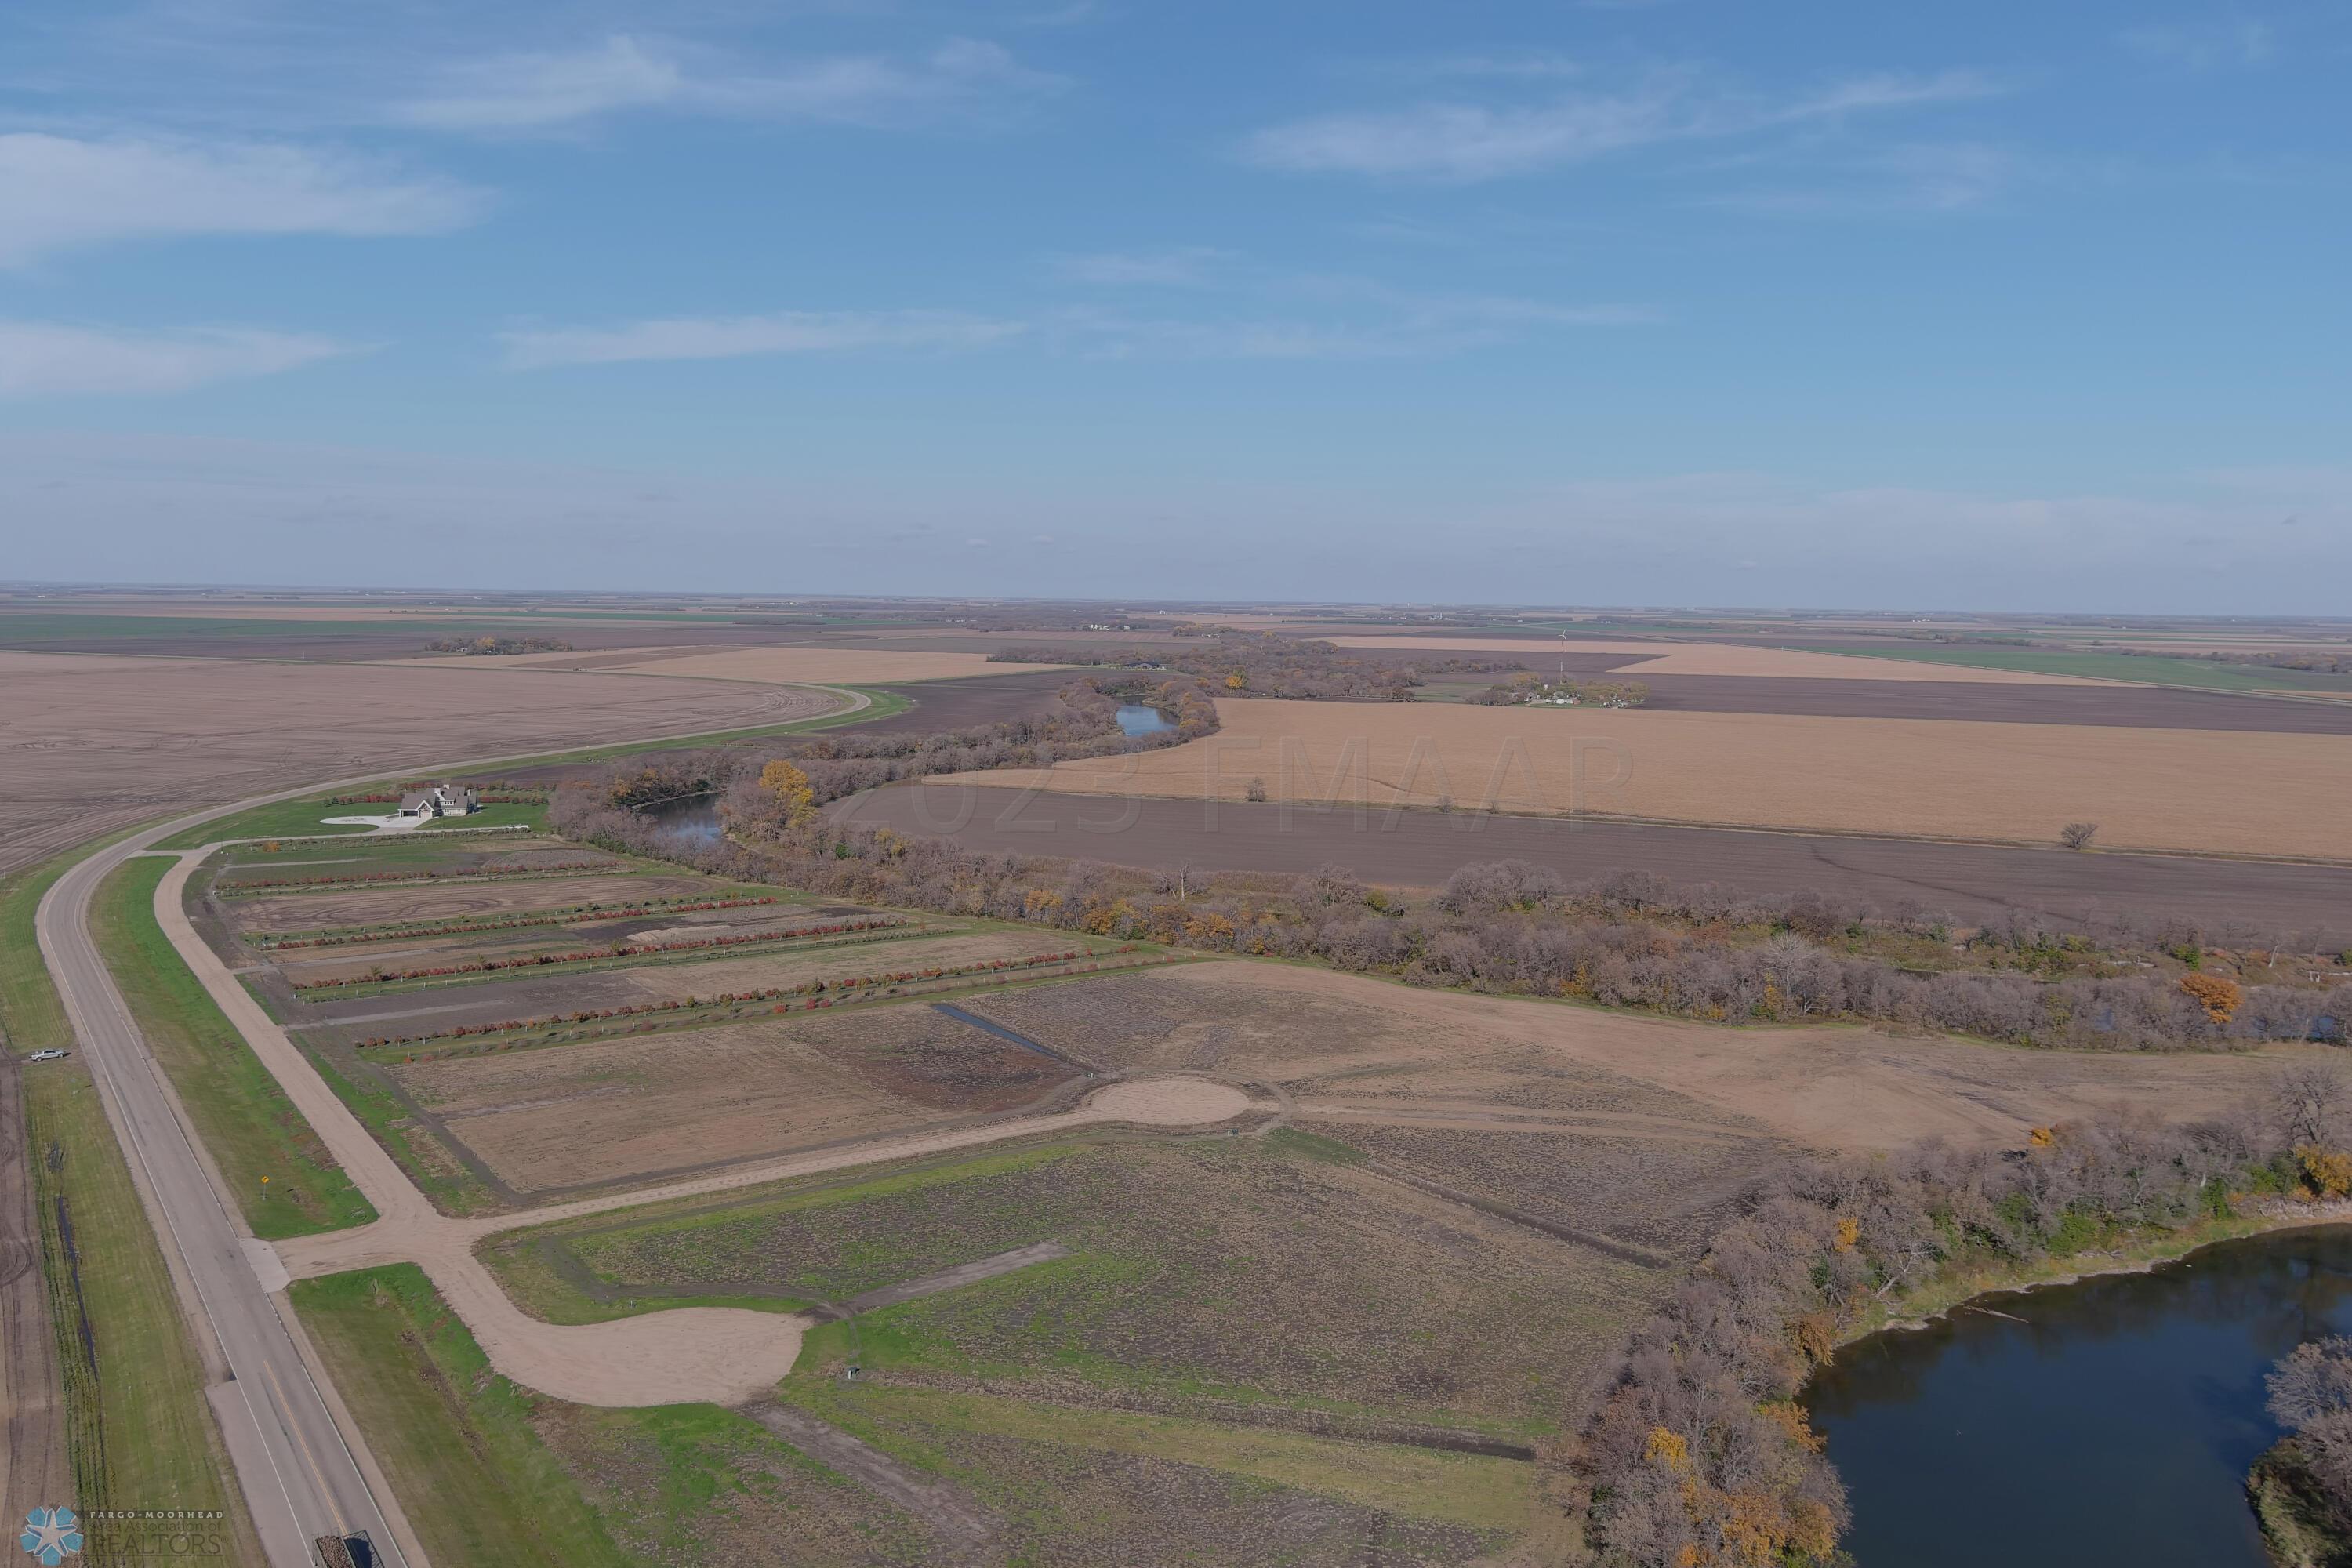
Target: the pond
(2114, 1423)
(1136, 719)
(689, 822)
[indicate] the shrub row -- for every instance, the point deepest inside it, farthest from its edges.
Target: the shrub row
(809, 988)
(617, 950)
(679, 906)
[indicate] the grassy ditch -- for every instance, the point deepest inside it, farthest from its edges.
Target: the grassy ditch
(249, 1126)
(456, 1440)
(140, 1433)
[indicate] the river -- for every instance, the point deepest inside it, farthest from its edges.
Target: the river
(2112, 1424)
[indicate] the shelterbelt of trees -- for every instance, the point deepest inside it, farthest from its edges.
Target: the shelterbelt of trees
(1083, 722)
(1264, 665)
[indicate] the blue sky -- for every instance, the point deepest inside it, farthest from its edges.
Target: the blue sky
(1689, 302)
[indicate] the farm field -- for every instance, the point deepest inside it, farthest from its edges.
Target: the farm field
(1419, 847)
(2149, 789)
(1640, 660)
(584, 1115)
(789, 665)
(2092, 665)
(1994, 702)
(99, 742)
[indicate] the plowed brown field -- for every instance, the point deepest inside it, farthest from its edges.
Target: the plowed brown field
(94, 741)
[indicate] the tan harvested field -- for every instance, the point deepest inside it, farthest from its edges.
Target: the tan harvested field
(266, 912)
(1350, 1049)
(626, 1110)
(2231, 792)
(1647, 658)
(95, 741)
(785, 666)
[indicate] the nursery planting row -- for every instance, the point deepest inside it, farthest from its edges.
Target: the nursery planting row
(453, 874)
(617, 949)
(812, 990)
(686, 905)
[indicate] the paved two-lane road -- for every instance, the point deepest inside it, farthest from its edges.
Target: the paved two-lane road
(301, 1479)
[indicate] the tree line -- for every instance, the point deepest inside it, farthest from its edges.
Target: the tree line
(1701, 1452)
(1264, 665)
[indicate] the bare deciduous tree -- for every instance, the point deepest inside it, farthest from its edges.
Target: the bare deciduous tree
(2078, 834)
(2310, 1102)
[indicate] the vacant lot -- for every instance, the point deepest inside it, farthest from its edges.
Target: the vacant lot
(624, 1109)
(2167, 789)
(1421, 848)
(1826, 1088)
(1352, 1288)
(96, 742)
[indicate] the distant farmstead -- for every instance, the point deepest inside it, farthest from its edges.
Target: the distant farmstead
(441, 800)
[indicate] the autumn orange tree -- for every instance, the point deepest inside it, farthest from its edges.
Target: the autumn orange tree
(2219, 997)
(792, 789)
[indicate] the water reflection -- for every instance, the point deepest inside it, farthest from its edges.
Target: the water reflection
(1135, 718)
(690, 824)
(2113, 1424)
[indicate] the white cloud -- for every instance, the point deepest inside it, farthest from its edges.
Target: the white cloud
(733, 337)
(542, 91)
(1185, 267)
(515, 92)
(1924, 178)
(39, 359)
(2204, 44)
(1477, 142)
(58, 192)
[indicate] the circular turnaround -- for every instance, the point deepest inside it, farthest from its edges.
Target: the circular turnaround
(1170, 1102)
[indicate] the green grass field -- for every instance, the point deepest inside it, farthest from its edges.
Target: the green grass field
(32, 1018)
(250, 1127)
(496, 1476)
(1351, 1305)
(456, 1440)
(2200, 674)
